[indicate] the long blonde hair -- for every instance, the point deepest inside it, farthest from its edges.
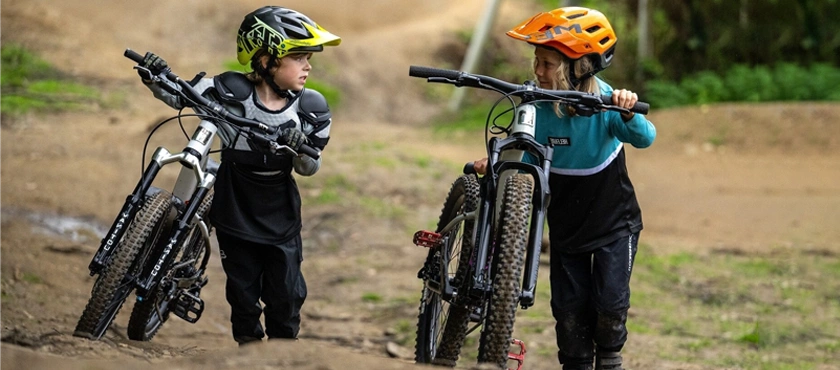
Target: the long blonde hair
(561, 80)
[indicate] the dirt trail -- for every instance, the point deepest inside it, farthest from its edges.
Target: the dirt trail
(769, 183)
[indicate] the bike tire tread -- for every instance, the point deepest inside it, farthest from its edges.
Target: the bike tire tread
(105, 292)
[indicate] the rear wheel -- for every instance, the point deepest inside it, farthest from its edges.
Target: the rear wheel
(496, 335)
(441, 326)
(148, 315)
(116, 281)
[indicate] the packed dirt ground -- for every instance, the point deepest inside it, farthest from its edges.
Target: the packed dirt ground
(769, 180)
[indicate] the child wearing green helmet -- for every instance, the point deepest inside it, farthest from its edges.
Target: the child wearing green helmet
(256, 208)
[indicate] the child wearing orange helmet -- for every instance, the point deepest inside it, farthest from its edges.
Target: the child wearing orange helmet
(594, 219)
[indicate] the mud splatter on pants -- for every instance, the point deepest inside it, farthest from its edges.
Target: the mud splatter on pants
(590, 296)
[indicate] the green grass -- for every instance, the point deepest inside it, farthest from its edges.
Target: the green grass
(30, 84)
(371, 297)
(471, 118)
(741, 309)
(32, 278)
(771, 310)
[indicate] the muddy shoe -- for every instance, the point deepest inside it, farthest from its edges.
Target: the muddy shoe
(245, 340)
(608, 361)
(578, 367)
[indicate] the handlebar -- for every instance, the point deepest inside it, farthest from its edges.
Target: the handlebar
(527, 90)
(200, 101)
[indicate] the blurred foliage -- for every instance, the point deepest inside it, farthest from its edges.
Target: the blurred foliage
(741, 83)
(706, 51)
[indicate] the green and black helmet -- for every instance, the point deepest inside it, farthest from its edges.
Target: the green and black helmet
(280, 31)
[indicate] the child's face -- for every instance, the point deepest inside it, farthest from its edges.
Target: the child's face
(292, 72)
(546, 63)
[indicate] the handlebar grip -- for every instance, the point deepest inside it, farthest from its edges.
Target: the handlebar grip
(426, 72)
(640, 107)
(310, 151)
(131, 54)
(469, 168)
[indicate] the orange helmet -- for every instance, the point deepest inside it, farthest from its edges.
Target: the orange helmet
(573, 31)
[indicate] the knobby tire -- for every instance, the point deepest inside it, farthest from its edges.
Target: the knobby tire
(148, 315)
(116, 281)
(496, 335)
(441, 326)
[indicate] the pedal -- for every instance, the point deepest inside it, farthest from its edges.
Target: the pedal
(476, 314)
(188, 307)
(518, 357)
(426, 239)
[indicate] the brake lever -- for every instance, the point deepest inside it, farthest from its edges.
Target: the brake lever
(615, 108)
(146, 74)
(276, 147)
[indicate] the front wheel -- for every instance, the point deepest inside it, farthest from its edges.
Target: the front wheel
(442, 326)
(116, 281)
(148, 315)
(507, 271)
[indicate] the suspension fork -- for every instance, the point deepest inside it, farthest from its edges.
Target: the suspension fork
(132, 204)
(539, 204)
(193, 159)
(183, 225)
(484, 230)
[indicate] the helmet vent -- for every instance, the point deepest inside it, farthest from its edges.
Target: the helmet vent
(593, 29)
(604, 41)
(573, 16)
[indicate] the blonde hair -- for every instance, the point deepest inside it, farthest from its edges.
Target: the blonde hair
(561, 80)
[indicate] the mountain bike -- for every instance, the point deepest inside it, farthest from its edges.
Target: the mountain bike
(483, 257)
(159, 243)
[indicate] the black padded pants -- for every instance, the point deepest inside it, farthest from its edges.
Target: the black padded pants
(268, 273)
(590, 296)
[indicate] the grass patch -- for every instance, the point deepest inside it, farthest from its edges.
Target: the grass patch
(371, 297)
(471, 118)
(775, 306)
(776, 310)
(30, 84)
(31, 278)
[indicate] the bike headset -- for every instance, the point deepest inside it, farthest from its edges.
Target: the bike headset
(576, 33)
(278, 32)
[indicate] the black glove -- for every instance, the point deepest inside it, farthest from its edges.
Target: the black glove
(155, 64)
(293, 138)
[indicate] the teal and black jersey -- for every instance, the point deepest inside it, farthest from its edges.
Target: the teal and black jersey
(592, 199)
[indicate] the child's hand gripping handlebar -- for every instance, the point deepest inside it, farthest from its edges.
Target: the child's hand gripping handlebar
(257, 131)
(528, 90)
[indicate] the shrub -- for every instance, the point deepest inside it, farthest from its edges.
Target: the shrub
(783, 82)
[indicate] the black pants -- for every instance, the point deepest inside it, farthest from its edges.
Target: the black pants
(590, 296)
(270, 273)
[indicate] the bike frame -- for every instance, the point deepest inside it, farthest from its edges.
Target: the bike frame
(481, 270)
(197, 176)
(505, 158)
